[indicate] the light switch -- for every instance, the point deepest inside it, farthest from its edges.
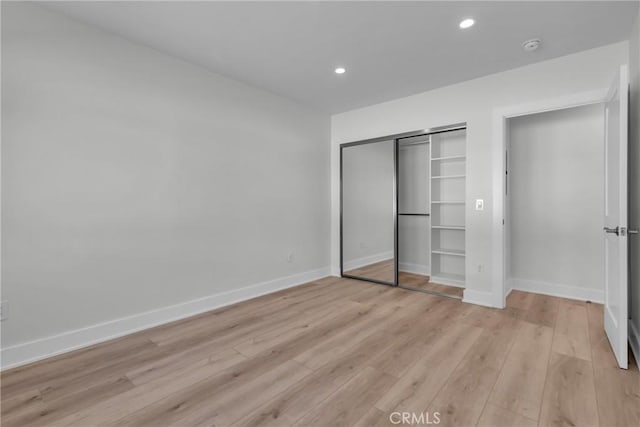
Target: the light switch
(479, 204)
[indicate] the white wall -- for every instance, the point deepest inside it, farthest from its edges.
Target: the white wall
(556, 194)
(634, 181)
(133, 181)
(473, 102)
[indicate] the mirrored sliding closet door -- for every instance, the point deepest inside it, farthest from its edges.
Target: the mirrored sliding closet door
(368, 211)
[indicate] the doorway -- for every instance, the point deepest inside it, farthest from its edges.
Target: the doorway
(614, 212)
(553, 203)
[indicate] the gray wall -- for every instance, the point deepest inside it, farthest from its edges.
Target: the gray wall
(132, 181)
(556, 177)
(634, 181)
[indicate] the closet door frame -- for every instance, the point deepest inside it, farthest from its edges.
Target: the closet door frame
(396, 140)
(497, 296)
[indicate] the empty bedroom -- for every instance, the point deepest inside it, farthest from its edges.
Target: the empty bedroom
(320, 213)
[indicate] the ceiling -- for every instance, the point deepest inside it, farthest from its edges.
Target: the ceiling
(390, 49)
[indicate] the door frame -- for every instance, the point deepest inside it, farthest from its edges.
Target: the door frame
(499, 292)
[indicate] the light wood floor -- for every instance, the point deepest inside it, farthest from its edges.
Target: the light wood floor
(383, 270)
(341, 352)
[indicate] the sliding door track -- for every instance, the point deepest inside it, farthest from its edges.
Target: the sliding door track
(407, 288)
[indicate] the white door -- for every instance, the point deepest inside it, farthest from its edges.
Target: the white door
(615, 217)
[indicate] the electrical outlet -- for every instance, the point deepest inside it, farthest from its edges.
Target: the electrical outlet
(480, 267)
(3, 310)
(290, 257)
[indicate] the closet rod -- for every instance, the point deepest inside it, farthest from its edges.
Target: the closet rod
(408, 144)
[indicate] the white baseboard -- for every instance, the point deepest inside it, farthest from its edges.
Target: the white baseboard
(486, 299)
(371, 259)
(39, 349)
(414, 268)
(556, 290)
(634, 340)
(506, 294)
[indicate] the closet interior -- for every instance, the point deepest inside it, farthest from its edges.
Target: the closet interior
(553, 203)
(403, 210)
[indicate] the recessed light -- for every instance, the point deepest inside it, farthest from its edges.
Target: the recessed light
(340, 70)
(467, 23)
(531, 45)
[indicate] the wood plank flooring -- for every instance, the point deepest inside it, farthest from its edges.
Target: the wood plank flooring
(340, 352)
(383, 271)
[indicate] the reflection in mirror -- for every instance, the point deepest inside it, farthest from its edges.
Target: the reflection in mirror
(367, 211)
(413, 212)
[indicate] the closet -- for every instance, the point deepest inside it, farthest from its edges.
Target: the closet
(554, 201)
(403, 210)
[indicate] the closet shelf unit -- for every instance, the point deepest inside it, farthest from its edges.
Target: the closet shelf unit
(453, 279)
(457, 157)
(452, 252)
(448, 227)
(448, 195)
(448, 176)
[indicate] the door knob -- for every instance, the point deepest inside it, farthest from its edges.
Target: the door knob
(615, 231)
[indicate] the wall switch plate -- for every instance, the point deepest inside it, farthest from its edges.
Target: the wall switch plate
(479, 204)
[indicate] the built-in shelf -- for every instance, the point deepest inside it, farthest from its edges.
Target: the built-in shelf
(448, 176)
(448, 179)
(433, 159)
(452, 252)
(448, 227)
(448, 278)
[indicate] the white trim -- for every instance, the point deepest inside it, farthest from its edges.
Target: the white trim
(39, 349)
(371, 259)
(556, 290)
(634, 341)
(508, 293)
(443, 280)
(472, 296)
(500, 116)
(409, 267)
